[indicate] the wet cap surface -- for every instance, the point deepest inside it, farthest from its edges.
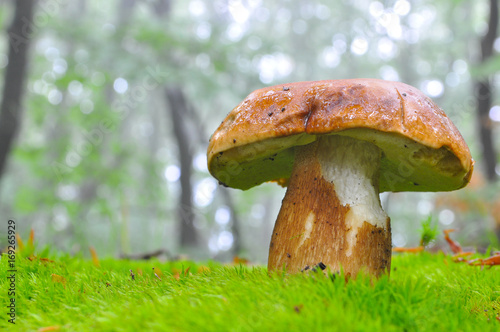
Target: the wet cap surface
(421, 148)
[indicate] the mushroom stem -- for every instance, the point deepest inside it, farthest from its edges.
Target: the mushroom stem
(331, 212)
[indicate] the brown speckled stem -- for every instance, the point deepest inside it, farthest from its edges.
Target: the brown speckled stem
(313, 225)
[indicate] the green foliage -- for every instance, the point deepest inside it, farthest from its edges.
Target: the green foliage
(90, 46)
(425, 292)
(428, 232)
(484, 70)
(25, 201)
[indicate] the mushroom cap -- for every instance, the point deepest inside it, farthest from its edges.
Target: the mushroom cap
(421, 149)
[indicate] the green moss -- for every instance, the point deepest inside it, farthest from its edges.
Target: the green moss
(425, 292)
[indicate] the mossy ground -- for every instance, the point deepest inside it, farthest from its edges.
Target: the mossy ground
(425, 292)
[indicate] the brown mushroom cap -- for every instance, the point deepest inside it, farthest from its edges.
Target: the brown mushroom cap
(421, 148)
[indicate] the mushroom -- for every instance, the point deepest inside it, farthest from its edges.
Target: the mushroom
(336, 145)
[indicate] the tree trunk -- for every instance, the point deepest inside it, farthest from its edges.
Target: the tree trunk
(484, 97)
(235, 225)
(178, 107)
(161, 8)
(202, 137)
(20, 33)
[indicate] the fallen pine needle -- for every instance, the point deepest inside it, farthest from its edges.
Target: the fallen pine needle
(95, 258)
(203, 269)
(20, 242)
(49, 328)
(454, 245)
(59, 279)
(411, 250)
(31, 240)
(238, 260)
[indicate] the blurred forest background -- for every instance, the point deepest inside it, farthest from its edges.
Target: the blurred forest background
(107, 108)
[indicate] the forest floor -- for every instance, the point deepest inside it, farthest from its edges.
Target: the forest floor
(425, 292)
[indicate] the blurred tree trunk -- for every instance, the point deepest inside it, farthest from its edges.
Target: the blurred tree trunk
(235, 226)
(484, 96)
(19, 33)
(161, 8)
(178, 108)
(202, 137)
(180, 111)
(125, 11)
